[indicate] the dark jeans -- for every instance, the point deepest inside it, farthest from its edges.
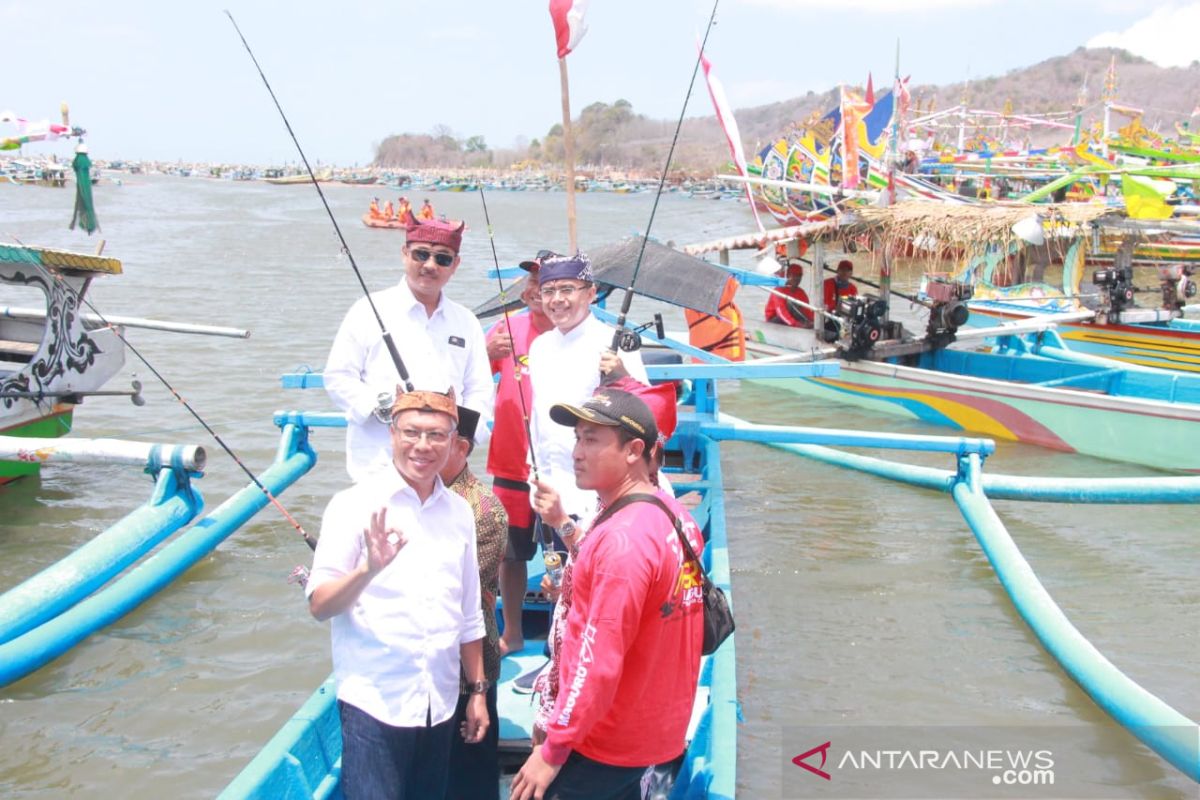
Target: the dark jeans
(383, 762)
(582, 778)
(475, 768)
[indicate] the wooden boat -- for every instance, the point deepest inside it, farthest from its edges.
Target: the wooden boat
(1041, 393)
(303, 758)
(1143, 417)
(1130, 255)
(48, 365)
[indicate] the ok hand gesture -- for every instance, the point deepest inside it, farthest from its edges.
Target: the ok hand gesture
(383, 543)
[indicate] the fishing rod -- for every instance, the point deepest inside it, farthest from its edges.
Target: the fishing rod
(387, 336)
(550, 556)
(309, 540)
(628, 299)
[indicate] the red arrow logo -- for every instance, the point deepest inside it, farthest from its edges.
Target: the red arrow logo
(823, 749)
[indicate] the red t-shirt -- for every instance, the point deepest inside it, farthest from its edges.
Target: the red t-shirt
(778, 310)
(507, 455)
(832, 293)
(631, 649)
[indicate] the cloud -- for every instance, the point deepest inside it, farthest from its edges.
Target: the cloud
(1167, 36)
(881, 7)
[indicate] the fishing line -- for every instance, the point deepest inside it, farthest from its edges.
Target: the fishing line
(216, 437)
(508, 324)
(387, 336)
(551, 558)
(628, 300)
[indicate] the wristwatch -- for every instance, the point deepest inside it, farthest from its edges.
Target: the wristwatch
(568, 528)
(479, 687)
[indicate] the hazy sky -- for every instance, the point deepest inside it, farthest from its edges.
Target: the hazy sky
(170, 80)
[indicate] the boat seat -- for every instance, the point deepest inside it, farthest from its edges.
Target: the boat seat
(23, 352)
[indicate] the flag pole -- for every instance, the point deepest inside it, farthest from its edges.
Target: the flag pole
(568, 155)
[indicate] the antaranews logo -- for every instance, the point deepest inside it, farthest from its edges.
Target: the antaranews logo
(848, 762)
(823, 749)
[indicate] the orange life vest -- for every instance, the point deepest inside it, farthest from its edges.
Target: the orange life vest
(724, 335)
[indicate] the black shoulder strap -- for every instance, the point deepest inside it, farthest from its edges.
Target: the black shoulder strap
(642, 497)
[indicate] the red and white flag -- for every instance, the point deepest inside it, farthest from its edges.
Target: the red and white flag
(729, 125)
(569, 25)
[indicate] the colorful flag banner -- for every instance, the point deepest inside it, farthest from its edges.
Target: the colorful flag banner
(729, 125)
(853, 109)
(569, 25)
(1145, 198)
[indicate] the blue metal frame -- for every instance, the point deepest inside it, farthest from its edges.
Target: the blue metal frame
(173, 504)
(34, 649)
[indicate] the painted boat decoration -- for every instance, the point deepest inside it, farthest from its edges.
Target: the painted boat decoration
(1142, 417)
(48, 365)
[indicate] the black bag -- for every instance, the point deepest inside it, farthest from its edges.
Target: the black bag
(718, 618)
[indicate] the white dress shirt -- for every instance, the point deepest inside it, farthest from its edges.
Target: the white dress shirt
(396, 650)
(565, 368)
(442, 350)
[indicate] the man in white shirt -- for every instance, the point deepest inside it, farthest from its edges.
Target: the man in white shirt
(439, 340)
(396, 571)
(565, 366)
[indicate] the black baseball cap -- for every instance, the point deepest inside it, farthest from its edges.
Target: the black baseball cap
(537, 260)
(613, 408)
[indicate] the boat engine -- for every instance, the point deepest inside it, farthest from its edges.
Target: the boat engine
(864, 316)
(1177, 286)
(947, 309)
(1116, 288)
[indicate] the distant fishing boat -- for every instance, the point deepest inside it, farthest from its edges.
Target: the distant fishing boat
(288, 180)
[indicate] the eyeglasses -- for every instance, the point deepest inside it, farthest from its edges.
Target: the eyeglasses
(565, 292)
(414, 435)
(421, 255)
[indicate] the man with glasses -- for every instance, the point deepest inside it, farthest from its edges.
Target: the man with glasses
(508, 345)
(565, 366)
(396, 572)
(440, 341)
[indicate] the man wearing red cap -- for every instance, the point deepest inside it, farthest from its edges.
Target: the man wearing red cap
(508, 345)
(440, 342)
(780, 309)
(838, 287)
(630, 645)
(396, 572)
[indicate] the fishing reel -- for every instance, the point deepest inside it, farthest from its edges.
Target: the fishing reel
(383, 407)
(1116, 288)
(630, 339)
(864, 317)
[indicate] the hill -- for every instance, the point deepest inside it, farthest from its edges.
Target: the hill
(615, 137)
